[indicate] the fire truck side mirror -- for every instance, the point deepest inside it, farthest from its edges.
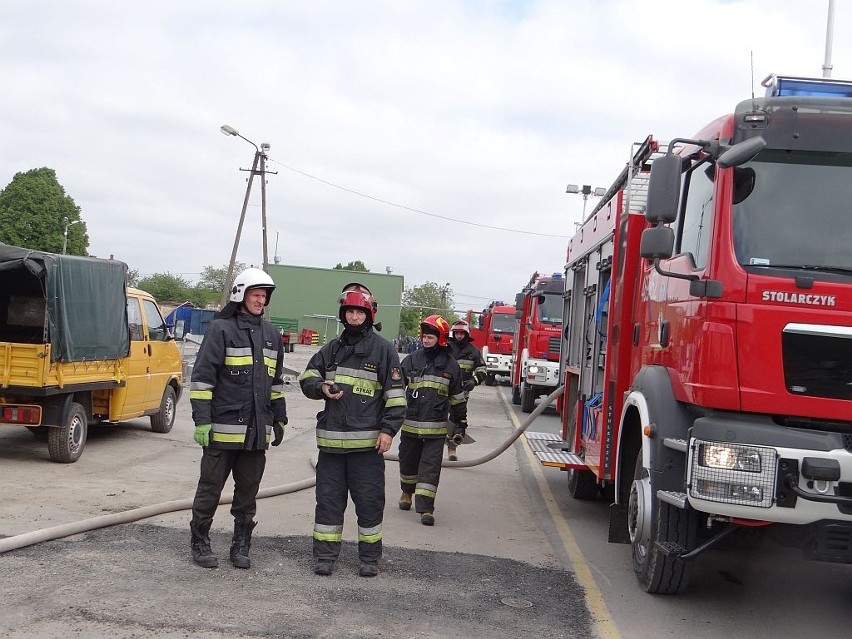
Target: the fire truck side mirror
(519, 305)
(741, 152)
(664, 189)
(657, 243)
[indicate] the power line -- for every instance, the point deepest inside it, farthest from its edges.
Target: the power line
(413, 210)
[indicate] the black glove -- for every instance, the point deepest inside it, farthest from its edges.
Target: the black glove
(469, 385)
(278, 430)
(459, 429)
(478, 377)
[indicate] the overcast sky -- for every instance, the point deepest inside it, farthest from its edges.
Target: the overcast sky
(476, 111)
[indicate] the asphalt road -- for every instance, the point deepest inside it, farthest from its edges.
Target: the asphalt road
(488, 568)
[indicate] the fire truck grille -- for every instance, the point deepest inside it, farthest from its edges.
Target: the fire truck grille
(818, 360)
(553, 345)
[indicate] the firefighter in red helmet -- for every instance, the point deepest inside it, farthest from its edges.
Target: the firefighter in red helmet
(472, 366)
(434, 395)
(358, 376)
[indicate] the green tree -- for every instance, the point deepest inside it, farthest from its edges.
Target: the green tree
(356, 265)
(421, 301)
(167, 288)
(36, 213)
(213, 278)
(133, 277)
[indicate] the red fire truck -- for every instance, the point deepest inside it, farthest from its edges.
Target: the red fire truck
(493, 331)
(535, 366)
(707, 351)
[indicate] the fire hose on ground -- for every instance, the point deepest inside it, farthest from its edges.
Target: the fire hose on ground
(145, 512)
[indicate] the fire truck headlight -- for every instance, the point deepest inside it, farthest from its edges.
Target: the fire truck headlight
(732, 473)
(728, 457)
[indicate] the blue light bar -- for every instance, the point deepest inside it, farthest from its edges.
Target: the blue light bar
(777, 86)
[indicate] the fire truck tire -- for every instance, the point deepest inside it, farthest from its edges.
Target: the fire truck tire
(163, 420)
(527, 399)
(516, 395)
(490, 379)
(582, 484)
(65, 444)
(652, 522)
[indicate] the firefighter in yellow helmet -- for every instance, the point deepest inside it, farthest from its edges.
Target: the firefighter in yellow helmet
(358, 378)
(436, 409)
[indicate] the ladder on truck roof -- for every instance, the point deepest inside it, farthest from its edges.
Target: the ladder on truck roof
(550, 449)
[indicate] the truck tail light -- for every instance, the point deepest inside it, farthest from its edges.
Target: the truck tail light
(27, 415)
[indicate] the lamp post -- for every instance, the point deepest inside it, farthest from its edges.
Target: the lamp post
(65, 232)
(585, 191)
(259, 161)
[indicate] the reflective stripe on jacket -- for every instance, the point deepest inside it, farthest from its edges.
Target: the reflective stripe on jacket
(237, 384)
(373, 402)
(469, 358)
(433, 394)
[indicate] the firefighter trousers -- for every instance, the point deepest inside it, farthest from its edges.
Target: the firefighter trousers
(216, 466)
(361, 475)
(420, 469)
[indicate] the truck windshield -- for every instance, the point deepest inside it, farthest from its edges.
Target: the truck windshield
(793, 209)
(550, 309)
(503, 323)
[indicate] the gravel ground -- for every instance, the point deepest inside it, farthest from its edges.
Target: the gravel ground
(486, 569)
(138, 581)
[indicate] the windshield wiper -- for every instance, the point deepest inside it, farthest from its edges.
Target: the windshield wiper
(845, 270)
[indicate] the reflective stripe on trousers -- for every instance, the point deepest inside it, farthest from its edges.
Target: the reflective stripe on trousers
(361, 475)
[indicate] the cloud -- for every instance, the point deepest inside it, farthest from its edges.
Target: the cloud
(478, 111)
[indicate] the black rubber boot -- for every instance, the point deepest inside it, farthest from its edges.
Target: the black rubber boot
(202, 554)
(241, 543)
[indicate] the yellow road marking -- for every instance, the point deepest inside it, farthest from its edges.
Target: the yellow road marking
(604, 624)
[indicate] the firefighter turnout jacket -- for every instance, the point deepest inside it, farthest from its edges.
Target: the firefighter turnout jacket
(433, 393)
(373, 399)
(469, 358)
(237, 384)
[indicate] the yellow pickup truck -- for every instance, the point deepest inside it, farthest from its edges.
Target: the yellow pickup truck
(78, 347)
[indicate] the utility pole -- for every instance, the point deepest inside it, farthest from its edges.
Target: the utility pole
(260, 154)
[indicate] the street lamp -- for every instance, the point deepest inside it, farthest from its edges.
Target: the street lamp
(65, 232)
(259, 160)
(585, 191)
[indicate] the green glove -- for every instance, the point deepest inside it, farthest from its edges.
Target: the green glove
(202, 434)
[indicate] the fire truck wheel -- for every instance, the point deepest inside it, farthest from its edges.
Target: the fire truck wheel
(490, 379)
(516, 395)
(582, 484)
(162, 420)
(527, 399)
(65, 443)
(652, 524)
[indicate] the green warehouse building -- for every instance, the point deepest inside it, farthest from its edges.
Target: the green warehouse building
(306, 298)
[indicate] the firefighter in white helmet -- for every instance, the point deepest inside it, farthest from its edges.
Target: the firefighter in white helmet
(471, 363)
(238, 406)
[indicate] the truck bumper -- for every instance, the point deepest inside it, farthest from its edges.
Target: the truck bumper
(498, 364)
(750, 467)
(542, 373)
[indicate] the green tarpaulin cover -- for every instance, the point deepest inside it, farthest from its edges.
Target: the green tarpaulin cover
(77, 304)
